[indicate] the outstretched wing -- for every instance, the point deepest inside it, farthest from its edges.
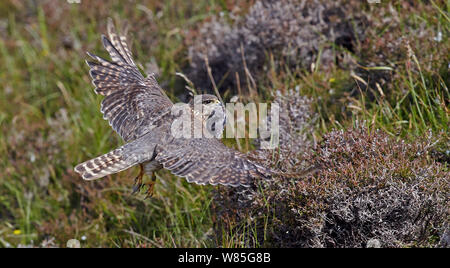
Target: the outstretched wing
(131, 102)
(209, 161)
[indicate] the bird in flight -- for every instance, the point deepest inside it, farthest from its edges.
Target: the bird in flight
(139, 110)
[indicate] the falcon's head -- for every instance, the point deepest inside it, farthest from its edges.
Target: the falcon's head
(213, 111)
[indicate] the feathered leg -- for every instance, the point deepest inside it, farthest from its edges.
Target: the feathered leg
(151, 186)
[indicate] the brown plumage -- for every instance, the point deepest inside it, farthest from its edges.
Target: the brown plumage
(140, 112)
(103, 165)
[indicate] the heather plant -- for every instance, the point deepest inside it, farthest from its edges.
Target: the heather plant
(296, 126)
(306, 34)
(367, 186)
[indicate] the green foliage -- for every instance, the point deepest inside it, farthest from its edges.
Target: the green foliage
(50, 121)
(366, 185)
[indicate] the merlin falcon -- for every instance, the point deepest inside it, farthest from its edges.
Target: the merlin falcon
(139, 110)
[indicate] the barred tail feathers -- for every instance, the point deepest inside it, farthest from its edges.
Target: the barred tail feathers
(99, 167)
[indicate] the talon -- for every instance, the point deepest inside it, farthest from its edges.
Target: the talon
(136, 188)
(149, 192)
(151, 186)
(138, 181)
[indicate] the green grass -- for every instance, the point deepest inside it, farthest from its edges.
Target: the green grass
(50, 120)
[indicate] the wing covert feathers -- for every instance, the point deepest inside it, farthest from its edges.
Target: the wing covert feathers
(209, 161)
